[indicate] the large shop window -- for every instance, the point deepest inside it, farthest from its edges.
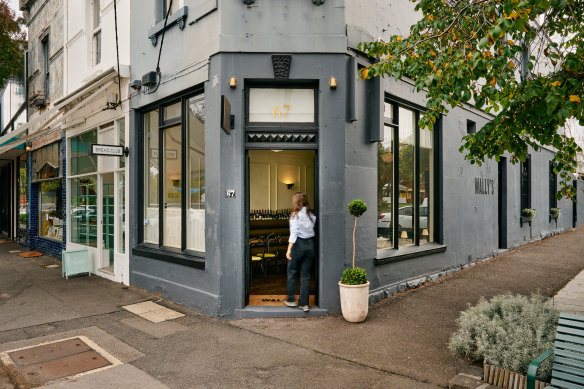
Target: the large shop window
(174, 176)
(405, 180)
(46, 166)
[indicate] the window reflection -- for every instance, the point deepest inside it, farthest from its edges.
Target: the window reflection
(406, 214)
(385, 189)
(151, 178)
(426, 187)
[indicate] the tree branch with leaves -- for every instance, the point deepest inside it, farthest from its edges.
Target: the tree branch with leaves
(521, 60)
(12, 43)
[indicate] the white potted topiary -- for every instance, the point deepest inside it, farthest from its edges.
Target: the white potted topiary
(354, 286)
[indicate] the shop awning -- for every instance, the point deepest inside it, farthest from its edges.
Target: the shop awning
(53, 117)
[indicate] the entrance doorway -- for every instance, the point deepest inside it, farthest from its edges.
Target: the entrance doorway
(5, 199)
(273, 177)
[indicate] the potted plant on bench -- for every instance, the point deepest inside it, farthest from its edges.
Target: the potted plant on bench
(507, 333)
(354, 286)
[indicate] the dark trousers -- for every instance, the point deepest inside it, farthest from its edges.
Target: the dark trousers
(302, 257)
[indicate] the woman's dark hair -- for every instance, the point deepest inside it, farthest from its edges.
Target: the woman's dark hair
(300, 200)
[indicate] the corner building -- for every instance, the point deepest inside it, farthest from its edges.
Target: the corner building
(210, 199)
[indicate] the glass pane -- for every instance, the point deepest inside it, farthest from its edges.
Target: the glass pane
(84, 211)
(151, 204)
(172, 187)
(97, 47)
(121, 124)
(426, 187)
(281, 105)
(46, 162)
(81, 162)
(171, 111)
(385, 189)
(22, 192)
(388, 111)
(196, 175)
(96, 13)
(107, 223)
(407, 119)
(51, 210)
(108, 137)
(121, 213)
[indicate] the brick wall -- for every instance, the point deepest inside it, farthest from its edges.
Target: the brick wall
(46, 246)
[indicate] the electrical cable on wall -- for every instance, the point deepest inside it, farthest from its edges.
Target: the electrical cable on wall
(109, 104)
(160, 51)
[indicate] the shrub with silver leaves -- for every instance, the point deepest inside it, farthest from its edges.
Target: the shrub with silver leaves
(508, 331)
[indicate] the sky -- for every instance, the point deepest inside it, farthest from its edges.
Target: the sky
(14, 5)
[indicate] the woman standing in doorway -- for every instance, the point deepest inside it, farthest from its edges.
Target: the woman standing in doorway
(300, 252)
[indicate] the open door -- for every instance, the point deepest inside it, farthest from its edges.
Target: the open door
(272, 178)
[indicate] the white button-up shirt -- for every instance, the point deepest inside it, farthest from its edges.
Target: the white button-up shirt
(301, 225)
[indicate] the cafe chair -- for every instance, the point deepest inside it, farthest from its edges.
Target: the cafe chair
(257, 260)
(271, 250)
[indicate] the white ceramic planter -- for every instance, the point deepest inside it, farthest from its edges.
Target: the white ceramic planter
(354, 301)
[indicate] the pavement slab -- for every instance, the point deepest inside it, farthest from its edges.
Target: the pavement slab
(408, 334)
(402, 344)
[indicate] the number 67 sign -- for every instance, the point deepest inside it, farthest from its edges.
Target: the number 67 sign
(281, 105)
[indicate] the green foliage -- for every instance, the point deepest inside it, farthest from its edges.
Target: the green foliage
(12, 43)
(528, 212)
(357, 207)
(508, 331)
(354, 276)
(555, 212)
(472, 52)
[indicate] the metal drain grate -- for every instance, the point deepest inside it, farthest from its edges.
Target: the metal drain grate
(56, 360)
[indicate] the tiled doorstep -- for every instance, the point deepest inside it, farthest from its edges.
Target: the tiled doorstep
(152, 311)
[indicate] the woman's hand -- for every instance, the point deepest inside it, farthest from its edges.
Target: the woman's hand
(289, 254)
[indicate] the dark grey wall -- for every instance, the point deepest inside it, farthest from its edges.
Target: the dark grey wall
(331, 170)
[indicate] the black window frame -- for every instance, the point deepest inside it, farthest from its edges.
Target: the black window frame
(182, 256)
(45, 53)
(397, 253)
(553, 179)
(525, 184)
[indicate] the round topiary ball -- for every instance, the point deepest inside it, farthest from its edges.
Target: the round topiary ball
(357, 207)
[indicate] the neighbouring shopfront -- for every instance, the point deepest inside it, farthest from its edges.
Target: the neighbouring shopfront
(46, 194)
(96, 204)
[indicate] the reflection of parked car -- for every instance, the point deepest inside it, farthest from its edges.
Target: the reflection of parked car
(404, 219)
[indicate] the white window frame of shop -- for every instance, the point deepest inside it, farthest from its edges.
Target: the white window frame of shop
(100, 263)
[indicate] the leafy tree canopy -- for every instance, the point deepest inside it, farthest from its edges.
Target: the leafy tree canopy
(521, 60)
(12, 43)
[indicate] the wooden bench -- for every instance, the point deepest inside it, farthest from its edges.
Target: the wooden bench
(568, 352)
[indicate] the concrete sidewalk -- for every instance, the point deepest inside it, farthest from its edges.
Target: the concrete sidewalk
(571, 297)
(402, 344)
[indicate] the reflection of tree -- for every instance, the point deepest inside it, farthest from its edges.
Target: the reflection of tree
(51, 190)
(384, 177)
(406, 165)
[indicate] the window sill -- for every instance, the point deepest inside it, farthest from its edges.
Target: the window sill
(191, 260)
(392, 255)
(179, 17)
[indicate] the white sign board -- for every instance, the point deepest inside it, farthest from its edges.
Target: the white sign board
(110, 150)
(281, 105)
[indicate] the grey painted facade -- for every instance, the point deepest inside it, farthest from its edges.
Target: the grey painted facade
(227, 39)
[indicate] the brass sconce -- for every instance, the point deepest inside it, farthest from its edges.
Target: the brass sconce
(333, 83)
(28, 146)
(233, 82)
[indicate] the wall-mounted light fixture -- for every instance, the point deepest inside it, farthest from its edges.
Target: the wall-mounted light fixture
(333, 83)
(290, 186)
(233, 82)
(136, 85)
(28, 146)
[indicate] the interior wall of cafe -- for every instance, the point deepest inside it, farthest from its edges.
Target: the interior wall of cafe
(272, 171)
